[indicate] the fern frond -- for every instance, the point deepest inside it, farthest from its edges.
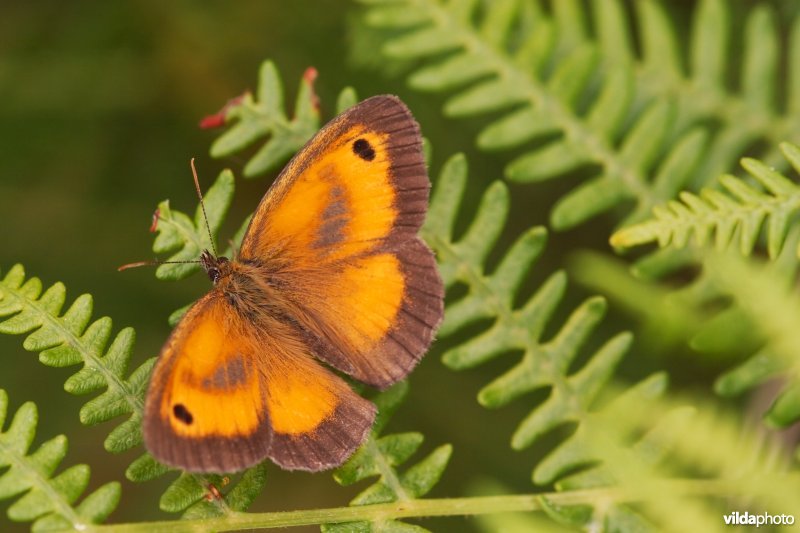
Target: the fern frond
(502, 63)
(262, 116)
(46, 500)
(767, 300)
(691, 313)
(71, 337)
(491, 295)
(733, 215)
(582, 397)
(188, 237)
(544, 363)
(67, 338)
(380, 456)
(756, 109)
(687, 448)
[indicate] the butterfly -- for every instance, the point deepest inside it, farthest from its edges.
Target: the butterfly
(330, 276)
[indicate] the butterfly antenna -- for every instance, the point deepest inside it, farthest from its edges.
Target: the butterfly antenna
(203, 207)
(151, 263)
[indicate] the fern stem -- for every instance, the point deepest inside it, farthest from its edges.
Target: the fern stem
(469, 506)
(388, 474)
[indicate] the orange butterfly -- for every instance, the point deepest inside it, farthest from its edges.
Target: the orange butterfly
(330, 269)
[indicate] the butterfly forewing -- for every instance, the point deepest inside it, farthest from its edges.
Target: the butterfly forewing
(338, 232)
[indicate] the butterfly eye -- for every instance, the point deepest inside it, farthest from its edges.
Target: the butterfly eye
(213, 274)
(182, 413)
(363, 149)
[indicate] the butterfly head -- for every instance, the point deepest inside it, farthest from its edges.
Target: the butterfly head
(216, 267)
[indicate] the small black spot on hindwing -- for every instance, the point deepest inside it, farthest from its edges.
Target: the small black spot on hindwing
(182, 413)
(363, 149)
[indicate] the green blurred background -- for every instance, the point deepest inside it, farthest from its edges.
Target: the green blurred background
(99, 105)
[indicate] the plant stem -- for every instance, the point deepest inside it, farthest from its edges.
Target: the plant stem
(415, 508)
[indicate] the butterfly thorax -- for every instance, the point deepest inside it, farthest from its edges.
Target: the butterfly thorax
(247, 286)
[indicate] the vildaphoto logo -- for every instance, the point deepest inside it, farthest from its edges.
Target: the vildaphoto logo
(764, 519)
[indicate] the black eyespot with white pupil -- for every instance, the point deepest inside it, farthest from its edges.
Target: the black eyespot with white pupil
(182, 413)
(363, 149)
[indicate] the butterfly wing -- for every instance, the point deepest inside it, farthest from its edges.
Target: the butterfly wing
(337, 232)
(227, 393)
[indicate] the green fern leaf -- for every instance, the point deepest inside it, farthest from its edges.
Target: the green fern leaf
(46, 500)
(380, 456)
(190, 236)
(619, 453)
(734, 215)
(262, 116)
(239, 497)
(762, 292)
(492, 296)
(70, 338)
(346, 99)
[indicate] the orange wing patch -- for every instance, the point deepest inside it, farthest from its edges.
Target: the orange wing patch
(342, 204)
(300, 398)
(372, 288)
(205, 407)
(317, 420)
(216, 367)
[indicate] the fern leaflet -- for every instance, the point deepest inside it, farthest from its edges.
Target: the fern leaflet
(737, 214)
(46, 500)
(491, 296)
(68, 339)
(188, 237)
(539, 70)
(264, 115)
(765, 298)
(752, 112)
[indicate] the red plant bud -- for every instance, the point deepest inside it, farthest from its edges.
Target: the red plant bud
(154, 223)
(217, 120)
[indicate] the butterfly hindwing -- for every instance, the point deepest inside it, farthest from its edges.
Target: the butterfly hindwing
(317, 419)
